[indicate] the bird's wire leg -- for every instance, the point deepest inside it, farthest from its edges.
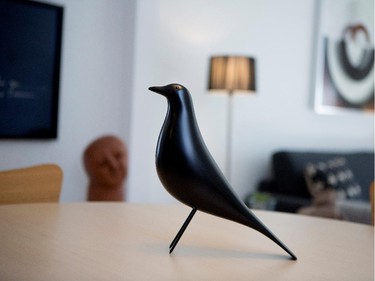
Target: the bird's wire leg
(182, 229)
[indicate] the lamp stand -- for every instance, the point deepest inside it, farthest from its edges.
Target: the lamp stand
(231, 73)
(228, 160)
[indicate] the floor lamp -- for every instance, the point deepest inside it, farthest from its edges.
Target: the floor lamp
(231, 73)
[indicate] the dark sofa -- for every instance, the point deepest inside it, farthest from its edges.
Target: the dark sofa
(287, 187)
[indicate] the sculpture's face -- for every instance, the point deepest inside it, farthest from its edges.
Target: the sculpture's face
(106, 162)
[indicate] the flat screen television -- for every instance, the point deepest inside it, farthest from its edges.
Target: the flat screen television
(30, 52)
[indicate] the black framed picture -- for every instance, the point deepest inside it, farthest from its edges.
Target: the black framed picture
(30, 54)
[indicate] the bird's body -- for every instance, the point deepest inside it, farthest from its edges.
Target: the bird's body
(187, 170)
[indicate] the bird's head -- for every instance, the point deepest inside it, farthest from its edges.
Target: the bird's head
(170, 91)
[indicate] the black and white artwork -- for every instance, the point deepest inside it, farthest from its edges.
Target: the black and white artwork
(345, 56)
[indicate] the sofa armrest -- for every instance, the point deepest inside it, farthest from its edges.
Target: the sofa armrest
(289, 203)
(267, 185)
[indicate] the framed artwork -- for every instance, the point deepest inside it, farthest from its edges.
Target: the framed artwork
(344, 77)
(30, 50)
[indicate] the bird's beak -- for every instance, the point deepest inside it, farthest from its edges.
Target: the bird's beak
(159, 90)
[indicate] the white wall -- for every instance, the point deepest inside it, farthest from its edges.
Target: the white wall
(95, 94)
(174, 40)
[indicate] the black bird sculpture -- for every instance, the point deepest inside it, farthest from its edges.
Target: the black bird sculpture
(189, 173)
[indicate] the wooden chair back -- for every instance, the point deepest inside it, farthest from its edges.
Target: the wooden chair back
(40, 183)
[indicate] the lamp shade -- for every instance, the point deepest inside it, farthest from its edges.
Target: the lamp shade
(232, 73)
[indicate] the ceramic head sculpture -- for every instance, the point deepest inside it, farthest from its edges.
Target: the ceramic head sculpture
(189, 173)
(106, 164)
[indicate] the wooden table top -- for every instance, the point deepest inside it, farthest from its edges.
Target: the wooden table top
(119, 241)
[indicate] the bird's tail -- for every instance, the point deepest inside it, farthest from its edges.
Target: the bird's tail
(259, 226)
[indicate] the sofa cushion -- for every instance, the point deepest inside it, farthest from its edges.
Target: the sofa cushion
(288, 169)
(332, 176)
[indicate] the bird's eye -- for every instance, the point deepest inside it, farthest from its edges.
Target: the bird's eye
(177, 87)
